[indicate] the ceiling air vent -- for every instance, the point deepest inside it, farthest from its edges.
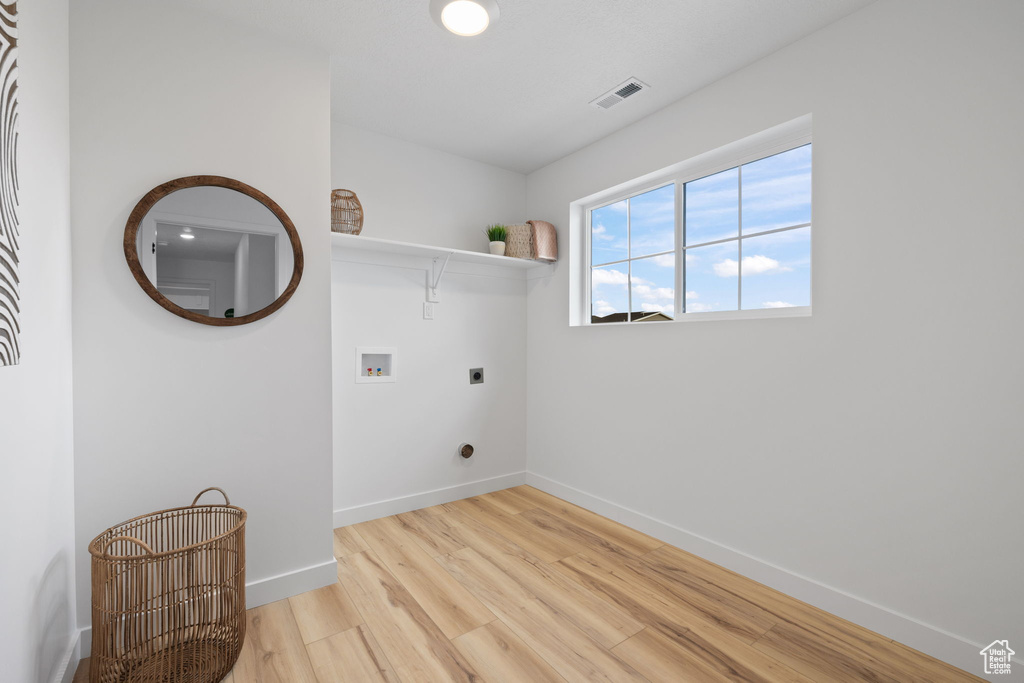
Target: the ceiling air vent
(619, 93)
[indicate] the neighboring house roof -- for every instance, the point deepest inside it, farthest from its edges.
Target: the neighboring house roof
(638, 317)
(1001, 644)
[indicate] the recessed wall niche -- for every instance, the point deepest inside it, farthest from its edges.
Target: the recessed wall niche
(376, 364)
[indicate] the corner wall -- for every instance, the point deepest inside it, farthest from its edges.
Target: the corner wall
(395, 446)
(412, 193)
(166, 407)
(37, 586)
(872, 450)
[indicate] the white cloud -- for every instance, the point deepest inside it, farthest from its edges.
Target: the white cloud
(603, 308)
(777, 304)
(699, 308)
(607, 276)
(752, 265)
(645, 291)
(652, 308)
(692, 295)
(601, 233)
(665, 260)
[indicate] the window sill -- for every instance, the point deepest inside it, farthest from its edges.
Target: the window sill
(758, 314)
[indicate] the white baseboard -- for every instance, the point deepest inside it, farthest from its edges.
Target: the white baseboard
(394, 506)
(65, 671)
(283, 586)
(949, 647)
(262, 591)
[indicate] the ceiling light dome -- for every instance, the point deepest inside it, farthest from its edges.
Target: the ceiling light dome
(464, 17)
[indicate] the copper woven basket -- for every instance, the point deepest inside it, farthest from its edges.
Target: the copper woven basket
(168, 595)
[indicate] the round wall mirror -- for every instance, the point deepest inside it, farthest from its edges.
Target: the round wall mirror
(213, 250)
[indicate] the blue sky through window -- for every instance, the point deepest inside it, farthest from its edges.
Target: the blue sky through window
(711, 284)
(608, 239)
(713, 207)
(777, 191)
(609, 291)
(653, 285)
(652, 222)
(774, 269)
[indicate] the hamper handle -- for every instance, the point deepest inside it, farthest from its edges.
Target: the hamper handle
(212, 488)
(136, 541)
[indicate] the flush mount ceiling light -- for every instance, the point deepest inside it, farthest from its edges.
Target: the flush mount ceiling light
(464, 17)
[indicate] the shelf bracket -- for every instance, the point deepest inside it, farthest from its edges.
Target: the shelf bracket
(435, 277)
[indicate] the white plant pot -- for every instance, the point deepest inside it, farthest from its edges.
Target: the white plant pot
(498, 248)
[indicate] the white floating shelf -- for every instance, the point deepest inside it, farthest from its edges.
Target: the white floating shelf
(383, 252)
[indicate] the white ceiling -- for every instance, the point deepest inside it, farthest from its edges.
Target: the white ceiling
(517, 95)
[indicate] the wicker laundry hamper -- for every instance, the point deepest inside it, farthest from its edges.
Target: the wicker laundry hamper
(168, 595)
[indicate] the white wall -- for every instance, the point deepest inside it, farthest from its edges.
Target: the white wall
(415, 194)
(36, 464)
(395, 444)
(399, 440)
(874, 447)
(166, 407)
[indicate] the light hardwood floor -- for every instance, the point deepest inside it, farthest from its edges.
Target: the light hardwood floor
(518, 585)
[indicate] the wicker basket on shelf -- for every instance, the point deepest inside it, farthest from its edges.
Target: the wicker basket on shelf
(346, 212)
(519, 242)
(168, 595)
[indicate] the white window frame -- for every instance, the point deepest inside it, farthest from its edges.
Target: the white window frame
(776, 140)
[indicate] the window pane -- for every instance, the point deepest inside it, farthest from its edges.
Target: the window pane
(609, 296)
(652, 221)
(777, 191)
(712, 278)
(654, 284)
(713, 207)
(608, 239)
(776, 269)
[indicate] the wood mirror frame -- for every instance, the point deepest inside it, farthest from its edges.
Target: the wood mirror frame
(140, 211)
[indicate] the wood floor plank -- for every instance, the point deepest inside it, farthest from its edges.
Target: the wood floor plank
(509, 501)
(273, 651)
(413, 644)
(935, 670)
(816, 657)
(649, 608)
(632, 540)
(584, 538)
(352, 656)
(567, 649)
(803, 626)
(716, 608)
(430, 531)
(82, 672)
(324, 612)
(437, 509)
(602, 621)
(347, 542)
(670, 574)
(445, 600)
(702, 655)
(547, 547)
(500, 655)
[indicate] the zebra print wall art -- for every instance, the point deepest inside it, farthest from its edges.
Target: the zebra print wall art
(10, 284)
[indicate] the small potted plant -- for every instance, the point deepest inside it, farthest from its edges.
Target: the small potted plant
(496, 235)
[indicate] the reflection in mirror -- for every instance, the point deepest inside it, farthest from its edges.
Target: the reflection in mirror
(215, 252)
